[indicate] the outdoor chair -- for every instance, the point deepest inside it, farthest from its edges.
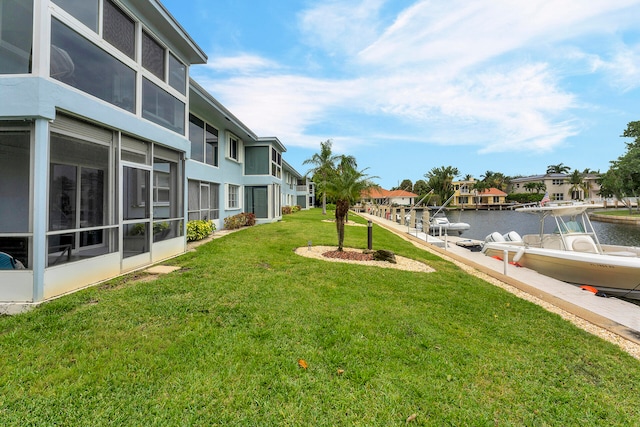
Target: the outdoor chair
(7, 262)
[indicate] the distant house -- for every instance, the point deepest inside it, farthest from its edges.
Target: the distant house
(389, 197)
(465, 195)
(558, 185)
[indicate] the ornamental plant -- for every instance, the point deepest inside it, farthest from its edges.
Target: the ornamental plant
(199, 229)
(244, 219)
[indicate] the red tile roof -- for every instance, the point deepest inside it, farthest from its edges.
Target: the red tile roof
(386, 194)
(493, 192)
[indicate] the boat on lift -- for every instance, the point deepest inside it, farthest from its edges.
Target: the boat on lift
(571, 252)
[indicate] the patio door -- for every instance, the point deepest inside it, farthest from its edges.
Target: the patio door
(136, 216)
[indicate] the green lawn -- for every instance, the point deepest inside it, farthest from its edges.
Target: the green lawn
(619, 212)
(218, 343)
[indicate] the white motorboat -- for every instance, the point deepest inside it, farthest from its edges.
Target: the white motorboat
(571, 252)
(440, 225)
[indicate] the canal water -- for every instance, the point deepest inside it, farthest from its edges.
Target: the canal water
(483, 223)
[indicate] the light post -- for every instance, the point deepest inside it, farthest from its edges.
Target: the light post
(369, 235)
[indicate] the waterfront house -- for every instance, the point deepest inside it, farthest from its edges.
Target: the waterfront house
(380, 196)
(558, 185)
(467, 196)
(107, 147)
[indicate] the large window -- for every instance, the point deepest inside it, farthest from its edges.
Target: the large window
(162, 108)
(204, 141)
(177, 75)
(16, 36)
(15, 155)
(85, 11)
(79, 206)
(119, 29)
(81, 64)
(256, 161)
(204, 200)
(152, 55)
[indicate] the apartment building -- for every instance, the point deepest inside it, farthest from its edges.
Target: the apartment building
(108, 148)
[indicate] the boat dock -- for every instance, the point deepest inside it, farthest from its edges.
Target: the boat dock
(612, 314)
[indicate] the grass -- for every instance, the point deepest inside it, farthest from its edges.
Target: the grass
(619, 212)
(218, 343)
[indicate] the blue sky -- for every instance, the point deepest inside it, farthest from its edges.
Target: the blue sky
(508, 86)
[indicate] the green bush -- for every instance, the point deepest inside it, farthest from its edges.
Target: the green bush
(331, 206)
(525, 197)
(199, 229)
(240, 220)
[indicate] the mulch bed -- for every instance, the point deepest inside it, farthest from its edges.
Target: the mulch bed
(349, 255)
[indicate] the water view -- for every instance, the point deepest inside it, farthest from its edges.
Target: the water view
(485, 222)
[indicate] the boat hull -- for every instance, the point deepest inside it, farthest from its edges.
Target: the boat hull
(613, 275)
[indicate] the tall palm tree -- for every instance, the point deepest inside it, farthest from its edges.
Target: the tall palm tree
(346, 185)
(577, 184)
(324, 164)
(440, 180)
(559, 168)
(479, 187)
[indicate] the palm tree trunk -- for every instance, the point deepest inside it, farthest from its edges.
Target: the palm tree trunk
(342, 207)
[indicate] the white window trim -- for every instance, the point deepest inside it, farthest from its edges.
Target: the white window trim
(240, 148)
(227, 187)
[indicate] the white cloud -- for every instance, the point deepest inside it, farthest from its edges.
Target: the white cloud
(455, 73)
(241, 64)
(341, 27)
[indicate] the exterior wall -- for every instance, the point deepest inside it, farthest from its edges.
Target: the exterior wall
(556, 185)
(38, 103)
(48, 108)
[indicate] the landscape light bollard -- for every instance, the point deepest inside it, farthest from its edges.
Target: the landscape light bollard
(369, 235)
(309, 244)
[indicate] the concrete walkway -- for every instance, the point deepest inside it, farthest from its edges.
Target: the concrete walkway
(612, 314)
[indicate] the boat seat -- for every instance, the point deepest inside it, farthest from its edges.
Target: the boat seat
(583, 244)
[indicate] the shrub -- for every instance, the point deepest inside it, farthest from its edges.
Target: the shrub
(286, 210)
(240, 220)
(331, 206)
(199, 229)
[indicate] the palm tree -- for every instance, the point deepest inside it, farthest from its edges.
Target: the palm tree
(346, 185)
(559, 168)
(324, 164)
(441, 181)
(479, 187)
(577, 184)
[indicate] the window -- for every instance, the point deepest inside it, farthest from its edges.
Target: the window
(177, 75)
(557, 196)
(203, 200)
(85, 11)
(161, 108)
(557, 181)
(81, 64)
(15, 155)
(276, 163)
(256, 161)
(119, 29)
(233, 150)
(16, 36)
(204, 141)
(233, 196)
(152, 56)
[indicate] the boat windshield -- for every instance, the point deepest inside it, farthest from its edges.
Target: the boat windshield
(570, 227)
